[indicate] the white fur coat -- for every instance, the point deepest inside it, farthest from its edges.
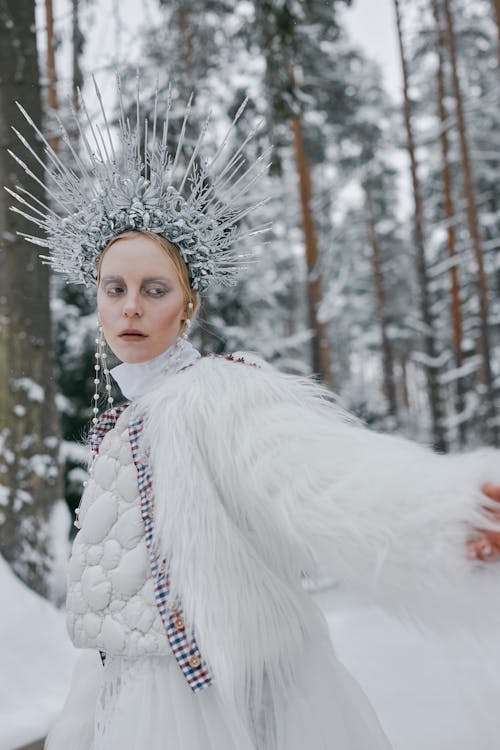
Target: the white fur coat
(259, 477)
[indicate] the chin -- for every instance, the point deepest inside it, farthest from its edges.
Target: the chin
(133, 355)
(131, 359)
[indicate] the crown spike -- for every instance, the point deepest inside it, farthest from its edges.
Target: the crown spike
(240, 149)
(103, 155)
(182, 135)
(31, 150)
(81, 132)
(105, 149)
(92, 130)
(33, 240)
(33, 219)
(195, 153)
(78, 162)
(120, 103)
(138, 115)
(259, 229)
(24, 202)
(239, 216)
(253, 173)
(47, 147)
(36, 179)
(105, 119)
(230, 177)
(164, 139)
(155, 119)
(146, 152)
(43, 206)
(230, 129)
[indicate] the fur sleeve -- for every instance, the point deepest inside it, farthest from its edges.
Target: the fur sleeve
(387, 516)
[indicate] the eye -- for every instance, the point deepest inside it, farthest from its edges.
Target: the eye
(156, 291)
(113, 290)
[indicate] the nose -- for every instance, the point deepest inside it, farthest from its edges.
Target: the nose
(132, 305)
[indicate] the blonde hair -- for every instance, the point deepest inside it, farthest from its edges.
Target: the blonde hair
(190, 295)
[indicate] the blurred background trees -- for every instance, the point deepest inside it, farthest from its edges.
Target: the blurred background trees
(30, 470)
(380, 274)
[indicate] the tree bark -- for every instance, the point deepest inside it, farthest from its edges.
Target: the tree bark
(381, 305)
(321, 355)
(77, 42)
(449, 208)
(435, 404)
(474, 228)
(30, 477)
(52, 101)
(496, 6)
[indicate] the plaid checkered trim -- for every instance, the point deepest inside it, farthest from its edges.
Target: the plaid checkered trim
(105, 422)
(186, 651)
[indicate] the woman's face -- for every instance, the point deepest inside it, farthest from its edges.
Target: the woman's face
(140, 299)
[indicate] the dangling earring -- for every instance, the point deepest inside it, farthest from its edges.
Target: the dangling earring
(187, 322)
(101, 365)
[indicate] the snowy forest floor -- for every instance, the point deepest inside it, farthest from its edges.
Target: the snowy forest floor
(430, 692)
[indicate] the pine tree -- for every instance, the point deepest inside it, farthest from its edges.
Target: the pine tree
(381, 303)
(427, 316)
(291, 37)
(449, 207)
(473, 226)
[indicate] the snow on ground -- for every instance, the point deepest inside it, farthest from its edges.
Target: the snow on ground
(36, 661)
(430, 693)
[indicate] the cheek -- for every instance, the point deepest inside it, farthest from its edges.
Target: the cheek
(169, 314)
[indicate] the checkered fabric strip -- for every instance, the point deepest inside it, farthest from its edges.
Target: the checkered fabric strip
(105, 422)
(186, 651)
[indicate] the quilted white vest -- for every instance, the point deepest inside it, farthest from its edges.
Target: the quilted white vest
(111, 602)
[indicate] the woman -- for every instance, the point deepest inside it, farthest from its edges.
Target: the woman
(219, 485)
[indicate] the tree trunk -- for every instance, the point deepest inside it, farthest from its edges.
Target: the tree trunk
(77, 42)
(474, 229)
(52, 102)
(31, 480)
(496, 5)
(321, 355)
(186, 45)
(381, 304)
(405, 395)
(456, 309)
(436, 408)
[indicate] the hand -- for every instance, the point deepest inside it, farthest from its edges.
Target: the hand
(487, 547)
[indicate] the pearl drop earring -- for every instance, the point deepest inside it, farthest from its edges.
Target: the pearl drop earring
(187, 322)
(101, 366)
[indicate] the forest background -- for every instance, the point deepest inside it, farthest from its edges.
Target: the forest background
(380, 274)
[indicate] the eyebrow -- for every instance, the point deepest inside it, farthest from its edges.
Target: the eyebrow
(147, 279)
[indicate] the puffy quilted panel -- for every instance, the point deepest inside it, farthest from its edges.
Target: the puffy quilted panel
(111, 602)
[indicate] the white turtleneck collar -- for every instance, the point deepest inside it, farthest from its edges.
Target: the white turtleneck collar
(137, 379)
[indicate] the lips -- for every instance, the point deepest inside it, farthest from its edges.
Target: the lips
(131, 334)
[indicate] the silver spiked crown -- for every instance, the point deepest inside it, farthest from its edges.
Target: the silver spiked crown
(138, 185)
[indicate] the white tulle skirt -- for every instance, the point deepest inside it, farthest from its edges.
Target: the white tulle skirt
(146, 704)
